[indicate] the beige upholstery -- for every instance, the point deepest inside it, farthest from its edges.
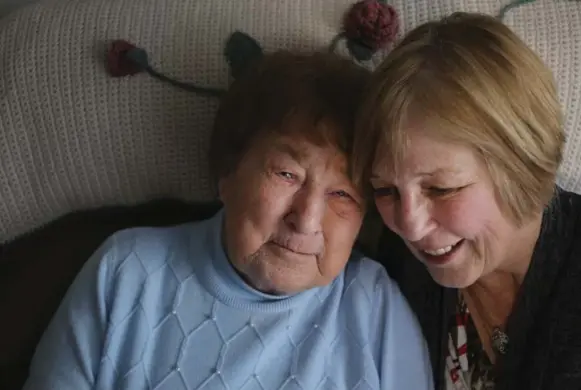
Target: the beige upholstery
(71, 137)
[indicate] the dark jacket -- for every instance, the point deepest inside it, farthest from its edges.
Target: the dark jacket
(544, 328)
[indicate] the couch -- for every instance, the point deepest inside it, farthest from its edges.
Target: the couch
(83, 154)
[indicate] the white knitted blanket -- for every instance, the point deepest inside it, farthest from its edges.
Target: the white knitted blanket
(71, 137)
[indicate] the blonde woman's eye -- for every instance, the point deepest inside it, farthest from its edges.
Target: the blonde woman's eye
(381, 192)
(439, 191)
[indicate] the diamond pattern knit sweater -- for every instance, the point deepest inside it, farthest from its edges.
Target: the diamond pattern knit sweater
(162, 308)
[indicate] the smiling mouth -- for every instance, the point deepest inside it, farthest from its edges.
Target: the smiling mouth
(441, 255)
(440, 251)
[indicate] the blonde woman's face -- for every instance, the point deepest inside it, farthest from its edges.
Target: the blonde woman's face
(443, 204)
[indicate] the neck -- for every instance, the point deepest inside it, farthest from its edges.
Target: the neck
(519, 259)
(492, 297)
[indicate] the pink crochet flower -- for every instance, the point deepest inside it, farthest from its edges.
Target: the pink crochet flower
(371, 23)
(118, 64)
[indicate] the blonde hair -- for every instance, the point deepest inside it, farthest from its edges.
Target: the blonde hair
(476, 84)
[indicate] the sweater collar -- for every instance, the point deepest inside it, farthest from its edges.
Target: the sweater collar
(222, 280)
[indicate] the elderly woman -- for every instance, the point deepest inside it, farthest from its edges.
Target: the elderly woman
(461, 138)
(267, 294)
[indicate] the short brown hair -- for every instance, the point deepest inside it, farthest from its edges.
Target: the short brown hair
(475, 83)
(282, 86)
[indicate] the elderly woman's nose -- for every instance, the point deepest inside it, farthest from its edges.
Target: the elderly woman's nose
(412, 217)
(307, 211)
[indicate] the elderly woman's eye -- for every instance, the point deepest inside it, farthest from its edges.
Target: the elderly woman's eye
(286, 175)
(342, 194)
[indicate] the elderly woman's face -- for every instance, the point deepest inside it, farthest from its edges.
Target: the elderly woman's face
(291, 215)
(442, 203)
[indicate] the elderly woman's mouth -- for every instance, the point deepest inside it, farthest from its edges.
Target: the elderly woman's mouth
(293, 249)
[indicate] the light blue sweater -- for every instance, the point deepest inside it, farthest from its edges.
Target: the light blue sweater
(162, 308)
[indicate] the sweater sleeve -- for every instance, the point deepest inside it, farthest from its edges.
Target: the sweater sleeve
(404, 357)
(69, 352)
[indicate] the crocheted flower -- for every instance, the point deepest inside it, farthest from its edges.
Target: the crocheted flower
(118, 64)
(371, 23)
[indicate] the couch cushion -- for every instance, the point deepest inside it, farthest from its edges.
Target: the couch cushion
(71, 137)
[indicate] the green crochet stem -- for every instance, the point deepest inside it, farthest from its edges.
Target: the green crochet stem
(510, 6)
(241, 52)
(139, 57)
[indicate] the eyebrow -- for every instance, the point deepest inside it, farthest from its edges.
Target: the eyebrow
(299, 155)
(435, 172)
(440, 171)
(289, 150)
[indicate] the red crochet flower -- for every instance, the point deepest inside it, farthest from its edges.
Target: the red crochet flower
(118, 64)
(371, 23)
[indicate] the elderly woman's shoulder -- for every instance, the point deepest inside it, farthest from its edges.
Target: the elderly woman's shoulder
(370, 276)
(149, 247)
(372, 294)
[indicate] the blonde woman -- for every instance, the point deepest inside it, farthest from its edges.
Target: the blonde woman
(461, 137)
